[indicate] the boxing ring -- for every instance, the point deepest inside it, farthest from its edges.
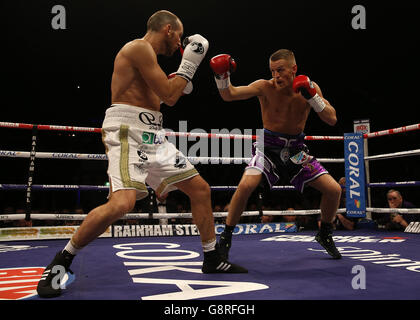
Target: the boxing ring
(163, 261)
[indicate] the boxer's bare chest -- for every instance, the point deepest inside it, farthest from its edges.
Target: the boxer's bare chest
(282, 112)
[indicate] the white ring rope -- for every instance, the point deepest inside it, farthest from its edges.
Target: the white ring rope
(51, 216)
(206, 160)
(394, 155)
(67, 187)
(85, 156)
(392, 210)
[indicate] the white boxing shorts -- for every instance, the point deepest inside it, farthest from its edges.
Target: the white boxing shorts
(139, 153)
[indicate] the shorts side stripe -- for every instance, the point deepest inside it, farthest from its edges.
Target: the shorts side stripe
(124, 170)
(176, 178)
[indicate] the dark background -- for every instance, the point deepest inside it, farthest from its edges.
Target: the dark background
(63, 77)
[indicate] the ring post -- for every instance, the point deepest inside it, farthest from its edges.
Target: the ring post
(363, 126)
(31, 171)
(355, 175)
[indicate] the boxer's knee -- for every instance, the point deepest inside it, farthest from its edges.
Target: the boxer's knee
(195, 188)
(122, 202)
(202, 191)
(327, 186)
(334, 191)
(248, 184)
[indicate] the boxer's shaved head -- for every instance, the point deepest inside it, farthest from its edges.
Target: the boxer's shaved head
(162, 18)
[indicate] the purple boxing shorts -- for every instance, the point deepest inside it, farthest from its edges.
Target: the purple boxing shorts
(285, 157)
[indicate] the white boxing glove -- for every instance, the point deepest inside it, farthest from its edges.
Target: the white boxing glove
(194, 53)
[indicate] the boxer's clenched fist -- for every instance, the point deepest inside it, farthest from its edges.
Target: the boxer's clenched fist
(193, 54)
(222, 65)
(305, 86)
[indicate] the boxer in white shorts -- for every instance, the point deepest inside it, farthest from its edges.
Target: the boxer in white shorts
(138, 152)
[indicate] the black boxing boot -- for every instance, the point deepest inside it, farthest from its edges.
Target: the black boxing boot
(225, 242)
(214, 263)
(46, 288)
(324, 238)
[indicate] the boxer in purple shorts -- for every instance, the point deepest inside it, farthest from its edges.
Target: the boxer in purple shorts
(285, 102)
(285, 156)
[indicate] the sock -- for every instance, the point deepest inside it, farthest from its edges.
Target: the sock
(71, 248)
(209, 245)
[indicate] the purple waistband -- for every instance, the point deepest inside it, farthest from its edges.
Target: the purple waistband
(276, 139)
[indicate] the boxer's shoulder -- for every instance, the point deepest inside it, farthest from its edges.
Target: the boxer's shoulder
(265, 87)
(137, 46)
(264, 84)
(261, 84)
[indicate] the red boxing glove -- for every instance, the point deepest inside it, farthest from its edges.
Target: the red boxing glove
(188, 88)
(304, 85)
(222, 65)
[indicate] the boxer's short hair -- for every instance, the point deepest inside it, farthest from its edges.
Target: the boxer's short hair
(161, 18)
(283, 54)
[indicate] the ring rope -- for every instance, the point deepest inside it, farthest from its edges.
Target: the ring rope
(412, 127)
(393, 184)
(48, 187)
(50, 216)
(394, 155)
(53, 216)
(85, 156)
(392, 210)
(211, 160)
(208, 135)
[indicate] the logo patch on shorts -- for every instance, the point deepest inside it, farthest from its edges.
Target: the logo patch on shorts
(148, 137)
(301, 157)
(153, 138)
(149, 119)
(180, 162)
(142, 155)
(284, 154)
